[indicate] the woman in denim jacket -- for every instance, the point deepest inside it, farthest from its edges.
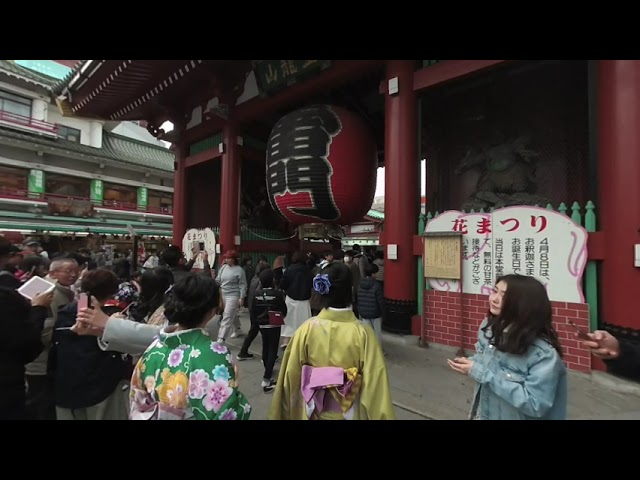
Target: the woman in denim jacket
(518, 363)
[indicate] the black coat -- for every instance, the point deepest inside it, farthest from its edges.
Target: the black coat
(370, 299)
(20, 344)
(628, 362)
(84, 374)
(297, 282)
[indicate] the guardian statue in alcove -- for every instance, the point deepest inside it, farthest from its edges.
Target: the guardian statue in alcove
(508, 174)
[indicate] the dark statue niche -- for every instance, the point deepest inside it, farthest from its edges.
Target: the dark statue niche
(507, 175)
(255, 209)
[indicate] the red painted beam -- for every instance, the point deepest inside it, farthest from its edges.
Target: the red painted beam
(339, 72)
(448, 70)
(205, 156)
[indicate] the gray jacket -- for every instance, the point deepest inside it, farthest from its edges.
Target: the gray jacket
(62, 296)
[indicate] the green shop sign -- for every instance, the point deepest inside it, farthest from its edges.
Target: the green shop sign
(97, 191)
(143, 197)
(273, 75)
(36, 181)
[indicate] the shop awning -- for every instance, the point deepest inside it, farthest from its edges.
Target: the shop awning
(64, 228)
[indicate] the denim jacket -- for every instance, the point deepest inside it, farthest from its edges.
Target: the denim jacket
(518, 387)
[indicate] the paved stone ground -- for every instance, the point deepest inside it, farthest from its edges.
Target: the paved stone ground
(424, 387)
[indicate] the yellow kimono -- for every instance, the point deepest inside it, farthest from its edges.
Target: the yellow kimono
(335, 338)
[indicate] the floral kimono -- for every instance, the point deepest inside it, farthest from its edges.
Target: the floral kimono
(185, 375)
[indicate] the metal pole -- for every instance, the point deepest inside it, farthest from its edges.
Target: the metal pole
(134, 257)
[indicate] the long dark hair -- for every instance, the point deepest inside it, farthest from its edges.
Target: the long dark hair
(525, 316)
(154, 284)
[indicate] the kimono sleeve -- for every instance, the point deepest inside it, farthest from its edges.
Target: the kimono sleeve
(287, 401)
(375, 396)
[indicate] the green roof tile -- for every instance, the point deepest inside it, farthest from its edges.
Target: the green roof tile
(11, 68)
(376, 214)
(114, 147)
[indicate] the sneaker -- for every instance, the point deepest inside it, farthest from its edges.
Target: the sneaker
(236, 334)
(245, 356)
(268, 386)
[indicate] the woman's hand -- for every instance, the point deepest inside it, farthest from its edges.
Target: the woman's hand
(93, 317)
(84, 329)
(602, 345)
(461, 365)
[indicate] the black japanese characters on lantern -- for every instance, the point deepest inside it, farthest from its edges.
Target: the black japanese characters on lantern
(297, 160)
(321, 166)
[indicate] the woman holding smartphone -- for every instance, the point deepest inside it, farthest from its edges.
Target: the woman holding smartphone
(518, 365)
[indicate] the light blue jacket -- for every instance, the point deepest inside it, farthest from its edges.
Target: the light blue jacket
(519, 387)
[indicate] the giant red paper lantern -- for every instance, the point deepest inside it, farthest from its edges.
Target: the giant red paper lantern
(321, 166)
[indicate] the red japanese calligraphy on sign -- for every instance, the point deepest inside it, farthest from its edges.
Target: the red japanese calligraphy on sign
(531, 241)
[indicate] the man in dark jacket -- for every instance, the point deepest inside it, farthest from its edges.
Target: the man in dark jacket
(371, 300)
(19, 344)
(88, 380)
(268, 300)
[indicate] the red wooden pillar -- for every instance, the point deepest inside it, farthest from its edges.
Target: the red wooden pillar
(401, 196)
(618, 186)
(230, 189)
(180, 195)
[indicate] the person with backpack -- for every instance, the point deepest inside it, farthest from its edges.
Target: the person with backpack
(254, 285)
(268, 308)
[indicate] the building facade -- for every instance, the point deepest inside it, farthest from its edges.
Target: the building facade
(65, 180)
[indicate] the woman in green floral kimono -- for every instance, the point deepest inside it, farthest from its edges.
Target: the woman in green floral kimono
(184, 374)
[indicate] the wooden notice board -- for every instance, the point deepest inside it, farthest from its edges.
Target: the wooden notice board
(443, 255)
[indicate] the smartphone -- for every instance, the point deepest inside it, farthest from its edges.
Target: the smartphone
(83, 301)
(581, 333)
